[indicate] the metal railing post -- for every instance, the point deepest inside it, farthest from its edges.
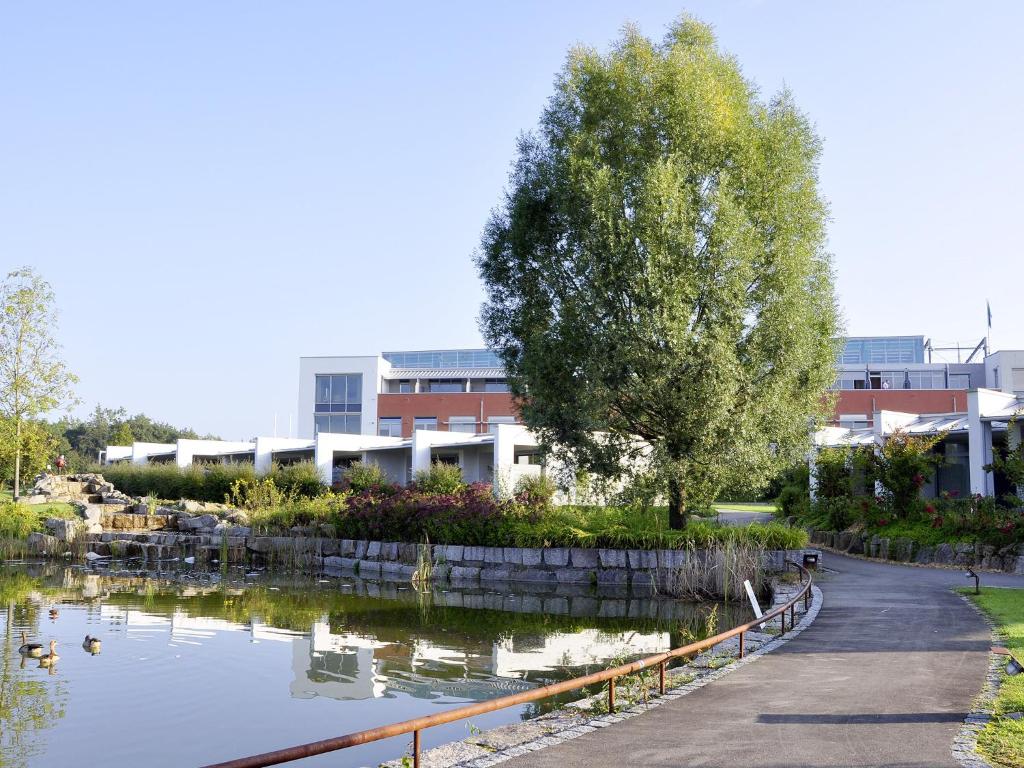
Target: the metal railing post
(742, 636)
(661, 678)
(416, 749)
(611, 696)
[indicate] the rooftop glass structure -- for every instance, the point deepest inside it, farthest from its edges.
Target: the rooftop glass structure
(444, 358)
(882, 349)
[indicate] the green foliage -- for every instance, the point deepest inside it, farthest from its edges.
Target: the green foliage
(325, 509)
(83, 439)
(536, 490)
(123, 435)
(361, 477)
(39, 448)
(301, 479)
(17, 521)
(255, 493)
(643, 528)
(33, 377)
(832, 473)
(658, 269)
(199, 482)
(440, 478)
(1008, 461)
(902, 465)
(1002, 738)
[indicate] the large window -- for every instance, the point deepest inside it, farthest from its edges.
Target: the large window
(488, 385)
(494, 421)
(425, 422)
(446, 385)
(338, 407)
(401, 386)
(389, 426)
(959, 381)
(462, 424)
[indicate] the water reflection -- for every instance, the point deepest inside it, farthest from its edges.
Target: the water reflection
(312, 652)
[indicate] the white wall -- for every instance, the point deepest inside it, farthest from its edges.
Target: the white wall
(372, 368)
(116, 453)
(142, 451)
(1006, 361)
(327, 444)
(187, 449)
(267, 446)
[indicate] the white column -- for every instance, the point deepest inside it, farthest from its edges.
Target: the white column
(263, 459)
(979, 446)
(421, 443)
(183, 456)
(504, 458)
(323, 457)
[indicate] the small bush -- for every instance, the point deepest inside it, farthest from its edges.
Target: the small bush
(301, 479)
(17, 521)
(440, 478)
(256, 494)
(364, 478)
(536, 490)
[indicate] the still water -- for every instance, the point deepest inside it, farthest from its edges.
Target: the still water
(199, 667)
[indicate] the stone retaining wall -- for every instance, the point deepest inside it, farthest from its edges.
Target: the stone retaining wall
(399, 561)
(901, 549)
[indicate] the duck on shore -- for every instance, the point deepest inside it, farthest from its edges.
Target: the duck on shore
(30, 649)
(92, 644)
(50, 658)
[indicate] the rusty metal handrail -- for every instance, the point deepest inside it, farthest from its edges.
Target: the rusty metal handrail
(417, 724)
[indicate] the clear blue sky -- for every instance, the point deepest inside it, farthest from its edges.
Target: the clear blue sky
(215, 189)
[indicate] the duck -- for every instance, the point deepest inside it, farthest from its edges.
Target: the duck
(54, 613)
(50, 658)
(30, 649)
(92, 644)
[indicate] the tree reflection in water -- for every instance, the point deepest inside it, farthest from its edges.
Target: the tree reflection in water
(29, 703)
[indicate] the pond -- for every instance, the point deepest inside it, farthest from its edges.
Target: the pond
(199, 667)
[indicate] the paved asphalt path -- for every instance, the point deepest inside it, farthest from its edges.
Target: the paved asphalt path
(883, 677)
(730, 517)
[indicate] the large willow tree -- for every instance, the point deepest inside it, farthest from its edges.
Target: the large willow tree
(657, 269)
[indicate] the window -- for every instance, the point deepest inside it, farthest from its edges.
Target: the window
(850, 380)
(927, 379)
(446, 385)
(338, 405)
(389, 426)
(462, 424)
(853, 421)
(959, 381)
(401, 386)
(488, 385)
(425, 422)
(494, 421)
(1018, 380)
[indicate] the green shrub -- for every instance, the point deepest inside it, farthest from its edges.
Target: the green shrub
(440, 478)
(301, 479)
(536, 489)
(363, 478)
(17, 521)
(199, 482)
(256, 494)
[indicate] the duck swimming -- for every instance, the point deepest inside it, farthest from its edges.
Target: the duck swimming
(91, 644)
(50, 658)
(29, 649)
(54, 613)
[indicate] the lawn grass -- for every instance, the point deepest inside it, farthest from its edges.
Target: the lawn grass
(1002, 739)
(745, 506)
(54, 509)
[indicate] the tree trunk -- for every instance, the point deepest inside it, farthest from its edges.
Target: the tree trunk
(676, 504)
(17, 459)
